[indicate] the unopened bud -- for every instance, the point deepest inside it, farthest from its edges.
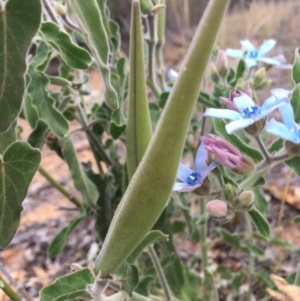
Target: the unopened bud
(214, 73)
(204, 189)
(222, 63)
(245, 200)
(158, 8)
(292, 148)
(60, 9)
(258, 78)
(246, 167)
(146, 6)
(256, 128)
(263, 85)
(248, 90)
(217, 208)
(229, 192)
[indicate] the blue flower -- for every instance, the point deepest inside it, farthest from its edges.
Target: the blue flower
(253, 55)
(288, 130)
(193, 179)
(172, 74)
(248, 111)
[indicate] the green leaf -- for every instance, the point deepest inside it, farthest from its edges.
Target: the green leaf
(38, 135)
(239, 71)
(276, 146)
(206, 100)
(143, 288)
(8, 137)
(296, 67)
(162, 100)
(41, 99)
(294, 164)
(219, 127)
(139, 130)
(296, 220)
(232, 239)
(260, 223)
(17, 168)
(178, 226)
(116, 130)
(70, 287)
(73, 55)
(20, 20)
(259, 182)
(89, 17)
(131, 279)
(58, 243)
(296, 103)
(151, 238)
(81, 181)
(260, 202)
(203, 218)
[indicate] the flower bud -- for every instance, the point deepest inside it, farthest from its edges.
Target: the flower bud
(61, 10)
(264, 84)
(256, 128)
(229, 192)
(259, 75)
(292, 148)
(146, 6)
(213, 73)
(248, 90)
(222, 63)
(204, 189)
(217, 208)
(246, 167)
(245, 200)
(158, 8)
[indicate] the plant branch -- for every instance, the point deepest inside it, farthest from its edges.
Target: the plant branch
(251, 257)
(20, 289)
(263, 149)
(8, 290)
(59, 187)
(160, 273)
(203, 234)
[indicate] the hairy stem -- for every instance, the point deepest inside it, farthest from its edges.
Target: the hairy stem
(160, 273)
(263, 148)
(59, 187)
(203, 234)
(251, 257)
(8, 290)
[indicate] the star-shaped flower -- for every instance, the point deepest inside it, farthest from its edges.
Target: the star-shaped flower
(289, 130)
(247, 111)
(253, 55)
(192, 180)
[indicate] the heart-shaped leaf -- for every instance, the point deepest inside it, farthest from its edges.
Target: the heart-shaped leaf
(67, 288)
(17, 168)
(20, 20)
(73, 55)
(8, 137)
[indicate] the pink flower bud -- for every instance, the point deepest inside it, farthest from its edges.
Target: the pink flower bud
(217, 208)
(222, 63)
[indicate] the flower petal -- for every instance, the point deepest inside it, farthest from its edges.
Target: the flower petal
(247, 45)
(271, 104)
(206, 172)
(280, 130)
(183, 172)
(237, 125)
(269, 61)
(284, 66)
(182, 187)
(266, 46)
(222, 113)
(287, 116)
(229, 103)
(234, 53)
(200, 160)
(243, 102)
(172, 74)
(250, 62)
(281, 93)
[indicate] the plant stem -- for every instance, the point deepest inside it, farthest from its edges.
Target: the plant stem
(59, 187)
(160, 273)
(151, 20)
(203, 234)
(263, 149)
(297, 278)
(15, 284)
(8, 290)
(251, 257)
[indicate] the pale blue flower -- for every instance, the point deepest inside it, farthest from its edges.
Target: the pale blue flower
(192, 180)
(248, 111)
(288, 130)
(172, 74)
(251, 55)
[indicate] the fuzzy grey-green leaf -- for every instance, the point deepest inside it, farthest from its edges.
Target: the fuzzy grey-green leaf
(17, 168)
(296, 67)
(19, 21)
(67, 288)
(73, 55)
(260, 223)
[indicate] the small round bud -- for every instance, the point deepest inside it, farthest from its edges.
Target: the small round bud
(292, 148)
(245, 200)
(245, 167)
(256, 128)
(222, 63)
(217, 208)
(229, 192)
(61, 10)
(214, 73)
